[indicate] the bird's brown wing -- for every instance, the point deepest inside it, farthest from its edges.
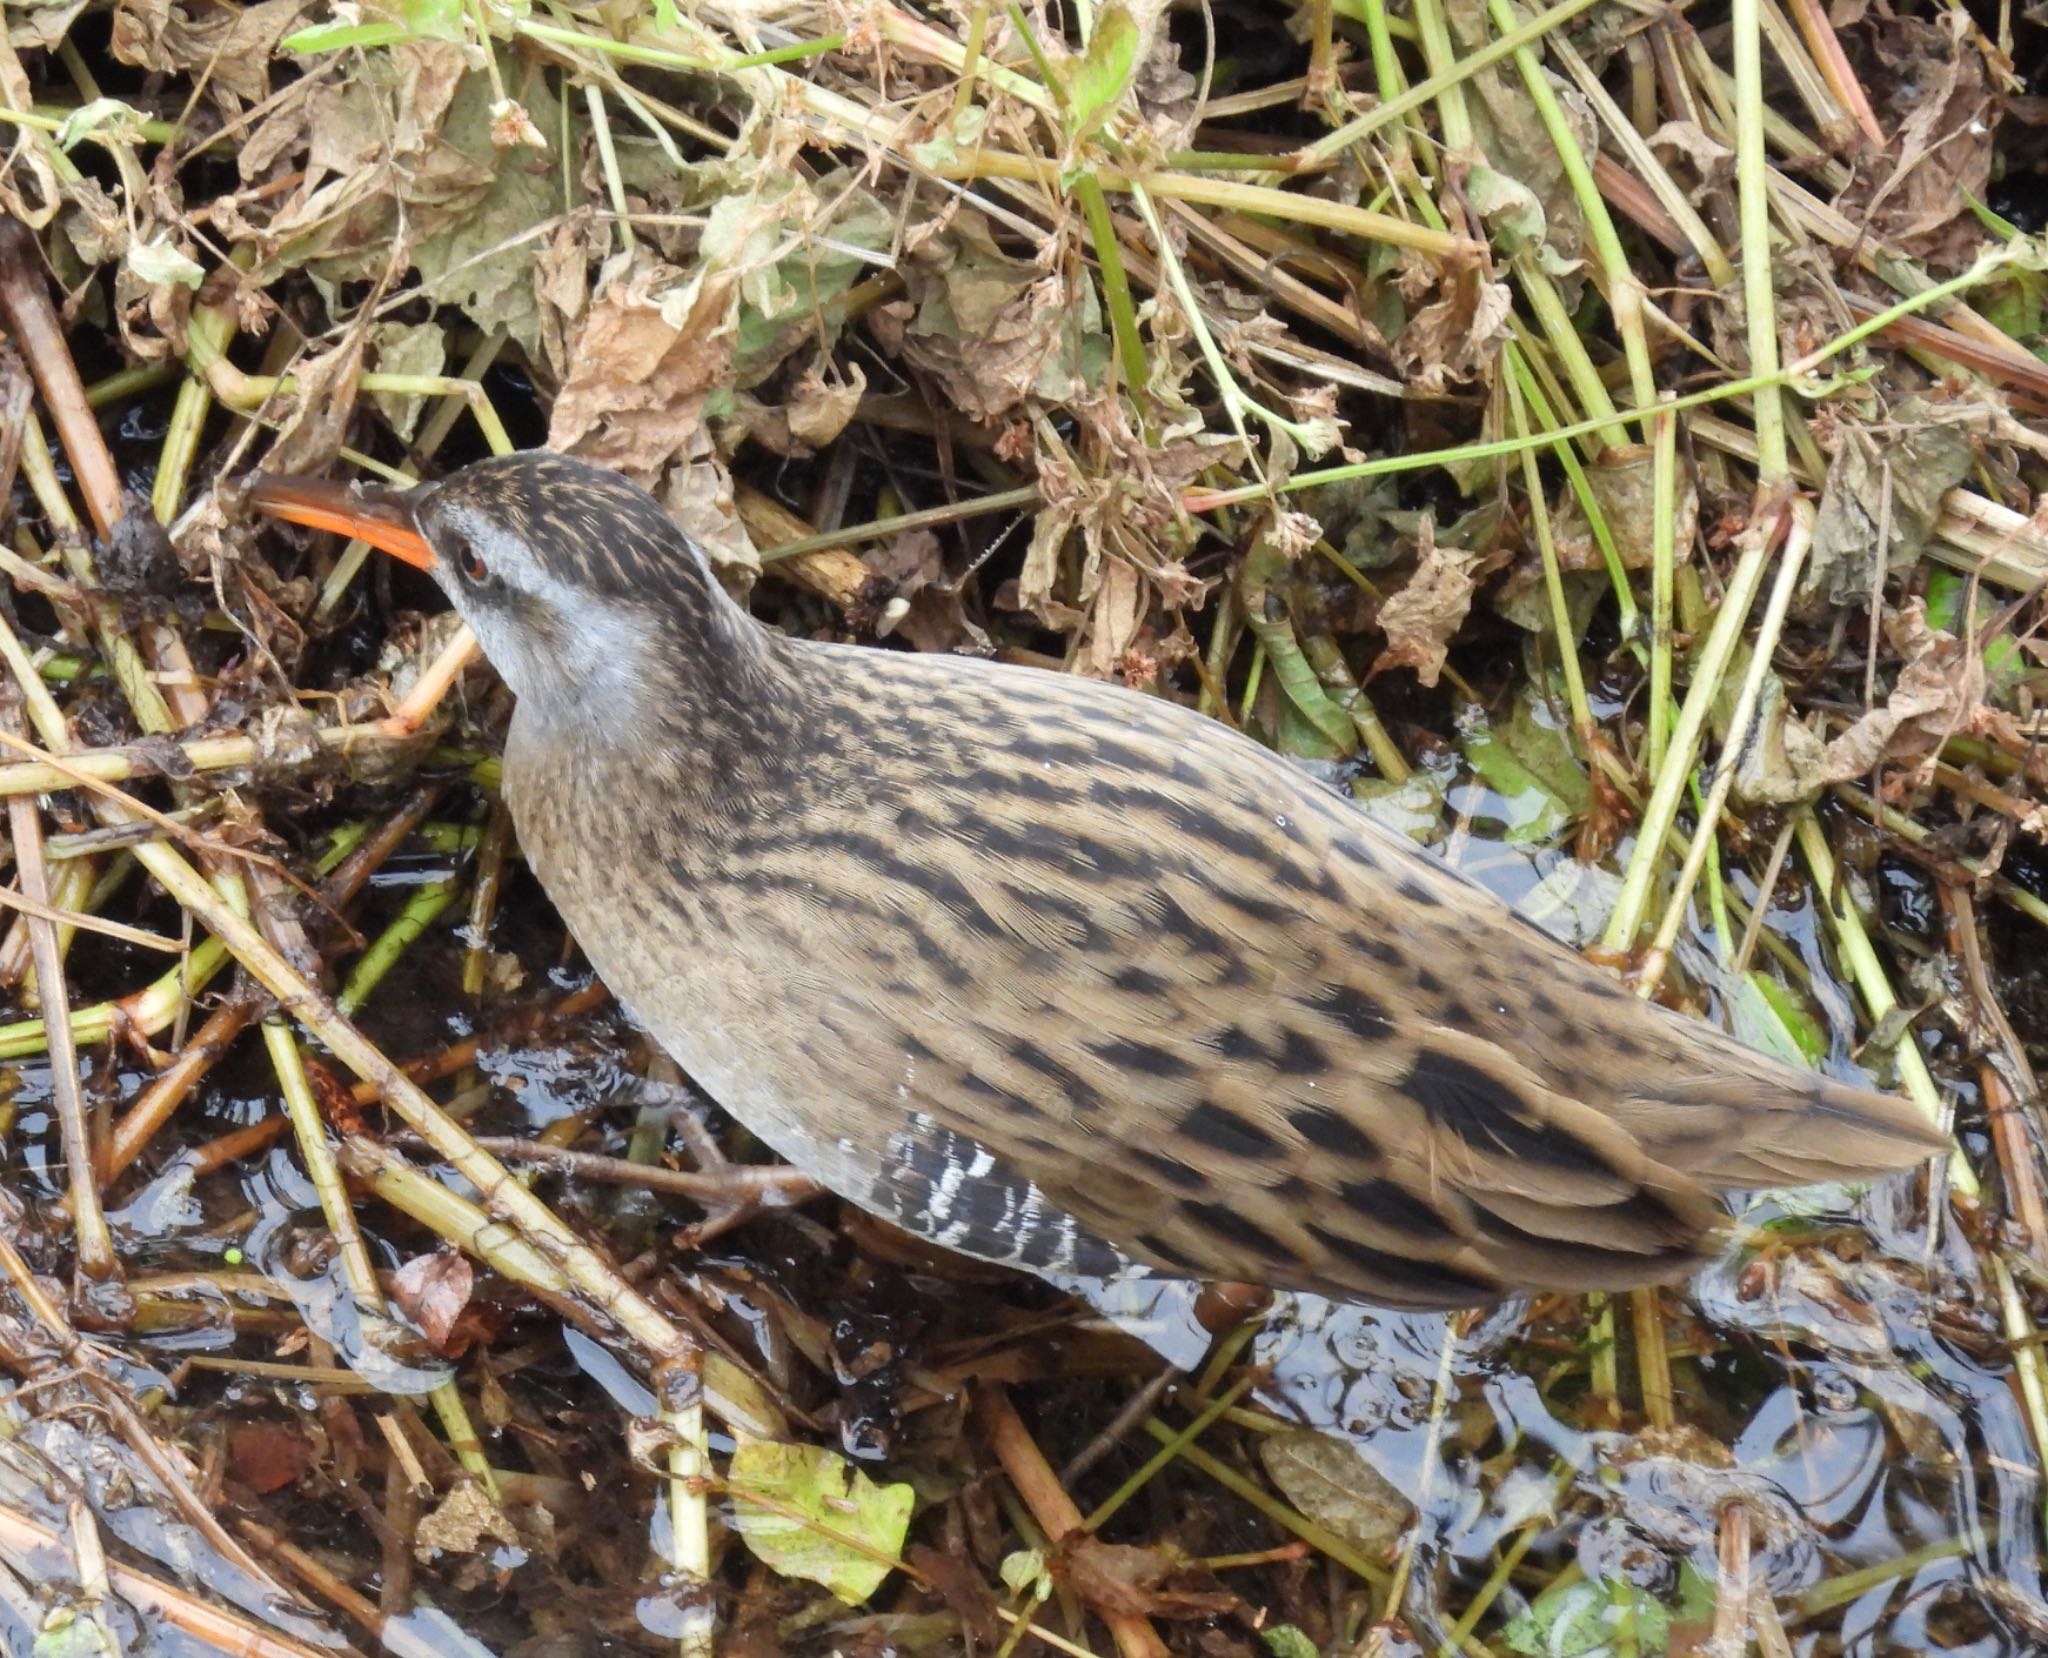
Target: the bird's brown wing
(1191, 999)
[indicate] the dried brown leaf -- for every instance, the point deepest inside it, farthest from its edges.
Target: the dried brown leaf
(1623, 486)
(818, 410)
(433, 1291)
(1133, 1582)
(699, 496)
(995, 330)
(652, 347)
(464, 1522)
(1938, 691)
(1457, 336)
(962, 1588)
(1122, 601)
(267, 1456)
(231, 47)
(323, 399)
(1933, 73)
(1421, 620)
(39, 28)
(28, 183)
(924, 606)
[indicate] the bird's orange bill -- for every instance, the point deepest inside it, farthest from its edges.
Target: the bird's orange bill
(379, 517)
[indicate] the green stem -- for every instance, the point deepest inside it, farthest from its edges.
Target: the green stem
(1663, 566)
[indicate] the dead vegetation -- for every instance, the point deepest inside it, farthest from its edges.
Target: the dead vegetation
(1610, 438)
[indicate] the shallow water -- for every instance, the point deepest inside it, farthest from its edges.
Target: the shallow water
(1842, 1385)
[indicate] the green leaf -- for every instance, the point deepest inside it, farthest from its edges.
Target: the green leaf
(2005, 665)
(1301, 738)
(435, 19)
(950, 142)
(107, 119)
(1528, 761)
(1768, 1016)
(1413, 807)
(69, 1635)
(476, 257)
(1582, 1619)
(1509, 207)
(1286, 1640)
(161, 265)
(825, 1499)
(1024, 1572)
(336, 37)
(416, 20)
(1096, 83)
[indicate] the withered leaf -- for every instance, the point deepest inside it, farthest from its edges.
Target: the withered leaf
(1623, 486)
(1117, 1578)
(1781, 760)
(1897, 475)
(1421, 620)
(483, 260)
(1933, 74)
(40, 28)
(463, 1523)
(433, 1291)
(411, 348)
(1332, 1483)
(995, 330)
(699, 497)
(232, 46)
(649, 351)
(322, 400)
(267, 1456)
(962, 1588)
(818, 410)
(1938, 690)
(1455, 337)
(924, 607)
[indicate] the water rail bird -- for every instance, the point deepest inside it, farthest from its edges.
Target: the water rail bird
(1061, 975)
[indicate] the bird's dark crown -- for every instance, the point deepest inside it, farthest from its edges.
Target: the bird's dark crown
(585, 526)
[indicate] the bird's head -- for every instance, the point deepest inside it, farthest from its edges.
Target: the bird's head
(571, 577)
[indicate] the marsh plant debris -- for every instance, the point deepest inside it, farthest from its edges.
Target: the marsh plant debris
(1605, 440)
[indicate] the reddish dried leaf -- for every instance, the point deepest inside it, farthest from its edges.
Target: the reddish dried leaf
(433, 1291)
(267, 1456)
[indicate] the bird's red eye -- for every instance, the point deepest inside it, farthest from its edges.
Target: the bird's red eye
(471, 563)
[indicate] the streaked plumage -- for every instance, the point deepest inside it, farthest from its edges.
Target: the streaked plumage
(1054, 973)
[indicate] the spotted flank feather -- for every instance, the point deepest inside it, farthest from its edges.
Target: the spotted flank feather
(1050, 972)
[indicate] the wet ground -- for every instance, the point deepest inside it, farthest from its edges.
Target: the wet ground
(1836, 1383)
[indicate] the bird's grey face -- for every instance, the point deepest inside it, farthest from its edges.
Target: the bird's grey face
(581, 589)
(560, 645)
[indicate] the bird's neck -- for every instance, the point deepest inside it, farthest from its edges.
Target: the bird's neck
(691, 698)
